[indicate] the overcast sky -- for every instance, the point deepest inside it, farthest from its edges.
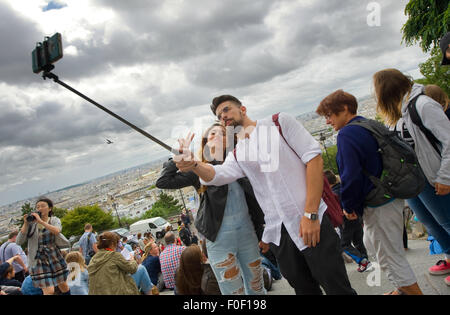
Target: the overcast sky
(159, 64)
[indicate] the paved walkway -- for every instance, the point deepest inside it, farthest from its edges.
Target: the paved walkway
(371, 283)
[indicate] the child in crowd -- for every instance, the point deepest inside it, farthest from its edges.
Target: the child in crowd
(78, 278)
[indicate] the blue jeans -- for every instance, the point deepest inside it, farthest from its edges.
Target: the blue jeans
(142, 279)
(274, 270)
(434, 212)
(234, 255)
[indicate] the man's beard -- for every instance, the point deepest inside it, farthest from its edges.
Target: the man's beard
(236, 123)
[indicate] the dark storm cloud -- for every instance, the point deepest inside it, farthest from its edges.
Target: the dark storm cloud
(218, 43)
(307, 32)
(51, 122)
(18, 38)
(148, 36)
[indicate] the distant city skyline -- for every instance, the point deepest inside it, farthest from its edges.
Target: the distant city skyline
(164, 156)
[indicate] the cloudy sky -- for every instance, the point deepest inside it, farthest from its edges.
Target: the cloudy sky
(159, 64)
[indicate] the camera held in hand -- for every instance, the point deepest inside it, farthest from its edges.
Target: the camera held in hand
(31, 218)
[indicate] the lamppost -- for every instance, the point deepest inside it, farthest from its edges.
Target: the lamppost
(322, 139)
(115, 208)
(182, 199)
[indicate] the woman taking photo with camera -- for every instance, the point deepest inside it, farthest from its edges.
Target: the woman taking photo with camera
(46, 263)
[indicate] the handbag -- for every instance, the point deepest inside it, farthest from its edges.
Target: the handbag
(61, 241)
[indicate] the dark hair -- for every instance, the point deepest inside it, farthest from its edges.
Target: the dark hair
(107, 239)
(48, 202)
(438, 94)
(12, 234)
(189, 274)
(335, 102)
(7, 271)
(330, 177)
(222, 99)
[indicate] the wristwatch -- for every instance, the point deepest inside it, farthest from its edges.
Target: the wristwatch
(311, 216)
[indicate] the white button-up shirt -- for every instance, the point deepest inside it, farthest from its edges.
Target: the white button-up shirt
(277, 175)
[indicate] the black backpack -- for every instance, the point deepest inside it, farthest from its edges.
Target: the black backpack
(402, 176)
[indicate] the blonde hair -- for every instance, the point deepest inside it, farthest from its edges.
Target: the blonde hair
(391, 86)
(147, 250)
(75, 257)
(438, 94)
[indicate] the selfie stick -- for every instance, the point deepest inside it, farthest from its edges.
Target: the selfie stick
(48, 74)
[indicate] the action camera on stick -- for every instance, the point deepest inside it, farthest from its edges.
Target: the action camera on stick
(47, 53)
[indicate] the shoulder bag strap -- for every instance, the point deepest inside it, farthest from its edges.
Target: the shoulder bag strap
(88, 242)
(412, 109)
(3, 254)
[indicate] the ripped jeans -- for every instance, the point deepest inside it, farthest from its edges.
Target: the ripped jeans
(234, 255)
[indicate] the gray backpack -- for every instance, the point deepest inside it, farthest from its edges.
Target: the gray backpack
(402, 176)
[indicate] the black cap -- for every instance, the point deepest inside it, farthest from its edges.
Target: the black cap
(445, 41)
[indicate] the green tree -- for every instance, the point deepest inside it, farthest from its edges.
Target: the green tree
(427, 22)
(329, 159)
(73, 222)
(165, 207)
(434, 73)
(379, 118)
(59, 212)
(26, 209)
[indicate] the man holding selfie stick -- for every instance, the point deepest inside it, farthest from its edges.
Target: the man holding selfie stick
(301, 237)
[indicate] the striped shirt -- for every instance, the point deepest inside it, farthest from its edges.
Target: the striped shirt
(403, 132)
(170, 260)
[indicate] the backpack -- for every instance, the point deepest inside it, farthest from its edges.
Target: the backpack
(334, 210)
(402, 176)
(415, 118)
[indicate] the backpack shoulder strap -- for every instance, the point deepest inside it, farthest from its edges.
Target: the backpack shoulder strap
(373, 126)
(4, 250)
(412, 109)
(275, 119)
